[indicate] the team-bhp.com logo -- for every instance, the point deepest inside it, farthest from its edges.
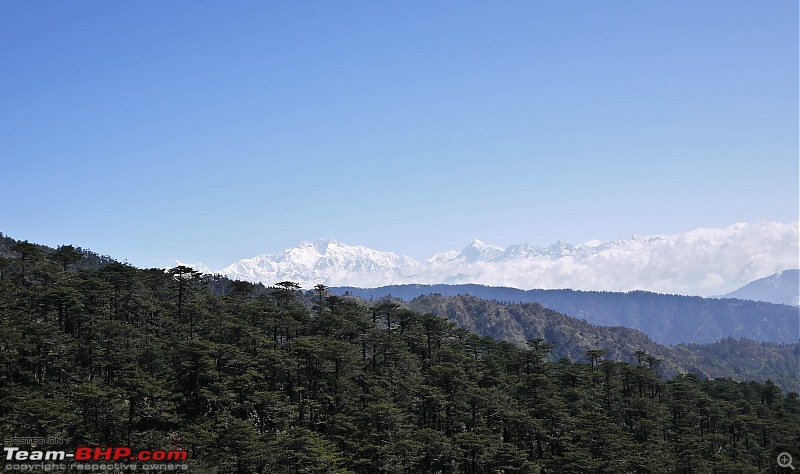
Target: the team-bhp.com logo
(85, 453)
(92, 458)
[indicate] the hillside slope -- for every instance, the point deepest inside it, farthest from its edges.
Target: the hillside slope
(667, 319)
(571, 338)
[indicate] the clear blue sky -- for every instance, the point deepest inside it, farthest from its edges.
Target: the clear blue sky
(213, 131)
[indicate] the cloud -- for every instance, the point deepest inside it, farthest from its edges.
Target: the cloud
(703, 262)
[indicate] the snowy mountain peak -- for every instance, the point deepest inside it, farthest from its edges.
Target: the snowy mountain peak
(561, 249)
(514, 251)
(322, 261)
(325, 245)
(199, 266)
(443, 256)
(700, 262)
(479, 251)
(591, 244)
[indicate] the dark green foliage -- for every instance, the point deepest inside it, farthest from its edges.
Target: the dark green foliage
(65, 255)
(740, 359)
(249, 379)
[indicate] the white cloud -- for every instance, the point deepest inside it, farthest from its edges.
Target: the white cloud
(703, 262)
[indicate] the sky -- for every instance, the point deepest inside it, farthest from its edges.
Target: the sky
(214, 131)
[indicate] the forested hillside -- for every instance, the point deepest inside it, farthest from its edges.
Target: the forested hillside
(740, 359)
(252, 380)
(65, 255)
(667, 319)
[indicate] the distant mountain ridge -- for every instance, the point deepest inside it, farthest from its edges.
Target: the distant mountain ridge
(667, 319)
(783, 287)
(741, 359)
(700, 262)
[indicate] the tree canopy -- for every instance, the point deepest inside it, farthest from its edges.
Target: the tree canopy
(274, 380)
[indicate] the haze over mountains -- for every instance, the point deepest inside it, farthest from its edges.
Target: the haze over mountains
(701, 262)
(777, 288)
(667, 319)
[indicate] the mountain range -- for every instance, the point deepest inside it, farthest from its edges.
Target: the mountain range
(667, 319)
(708, 261)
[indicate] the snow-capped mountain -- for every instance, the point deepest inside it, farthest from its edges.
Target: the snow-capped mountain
(321, 261)
(200, 267)
(701, 262)
(477, 251)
